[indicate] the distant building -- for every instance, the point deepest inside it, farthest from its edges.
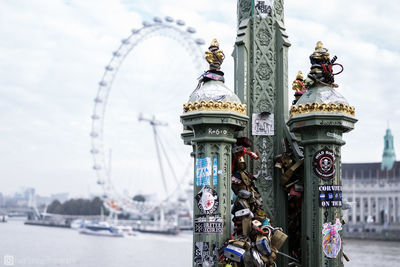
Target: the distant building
(373, 189)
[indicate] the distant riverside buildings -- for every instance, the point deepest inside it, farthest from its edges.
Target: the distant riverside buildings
(373, 189)
(27, 197)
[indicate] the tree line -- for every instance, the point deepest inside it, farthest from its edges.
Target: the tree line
(78, 206)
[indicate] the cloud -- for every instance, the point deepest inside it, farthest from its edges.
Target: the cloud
(53, 54)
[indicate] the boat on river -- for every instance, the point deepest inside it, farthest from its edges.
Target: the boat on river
(101, 229)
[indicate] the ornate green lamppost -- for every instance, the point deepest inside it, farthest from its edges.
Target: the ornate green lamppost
(211, 118)
(321, 115)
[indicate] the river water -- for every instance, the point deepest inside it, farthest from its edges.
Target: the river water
(25, 245)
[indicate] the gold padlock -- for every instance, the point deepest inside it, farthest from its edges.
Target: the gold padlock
(278, 239)
(246, 226)
(241, 244)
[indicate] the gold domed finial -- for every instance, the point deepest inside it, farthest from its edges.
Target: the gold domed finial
(299, 76)
(214, 55)
(319, 45)
(298, 84)
(214, 43)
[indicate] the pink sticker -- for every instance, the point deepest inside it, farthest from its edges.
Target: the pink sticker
(331, 241)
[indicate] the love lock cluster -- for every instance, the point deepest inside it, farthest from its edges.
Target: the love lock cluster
(292, 181)
(321, 72)
(254, 241)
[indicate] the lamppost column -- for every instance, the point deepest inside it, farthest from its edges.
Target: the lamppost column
(211, 118)
(321, 115)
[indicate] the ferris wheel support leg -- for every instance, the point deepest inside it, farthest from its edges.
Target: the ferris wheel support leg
(159, 160)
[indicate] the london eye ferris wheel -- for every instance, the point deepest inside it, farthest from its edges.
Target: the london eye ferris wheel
(147, 79)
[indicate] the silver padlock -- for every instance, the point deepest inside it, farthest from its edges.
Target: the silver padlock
(263, 245)
(257, 261)
(243, 213)
(244, 194)
(234, 253)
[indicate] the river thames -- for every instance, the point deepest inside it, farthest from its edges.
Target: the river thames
(25, 245)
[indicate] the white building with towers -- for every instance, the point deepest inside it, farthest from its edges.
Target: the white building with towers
(374, 191)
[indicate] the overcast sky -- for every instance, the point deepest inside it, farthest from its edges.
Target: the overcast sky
(53, 54)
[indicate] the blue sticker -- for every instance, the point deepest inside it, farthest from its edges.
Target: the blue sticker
(215, 171)
(203, 171)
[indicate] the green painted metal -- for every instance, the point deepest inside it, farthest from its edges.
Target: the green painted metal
(260, 56)
(388, 157)
(319, 130)
(261, 67)
(212, 135)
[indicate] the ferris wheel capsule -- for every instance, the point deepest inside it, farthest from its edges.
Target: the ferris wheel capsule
(94, 151)
(200, 41)
(135, 31)
(109, 68)
(102, 83)
(95, 117)
(157, 20)
(169, 19)
(180, 22)
(146, 23)
(191, 30)
(94, 134)
(96, 167)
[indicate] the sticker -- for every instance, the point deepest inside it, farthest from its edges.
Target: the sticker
(203, 171)
(202, 252)
(330, 196)
(263, 124)
(202, 255)
(215, 171)
(324, 164)
(336, 136)
(331, 241)
(264, 7)
(212, 225)
(207, 200)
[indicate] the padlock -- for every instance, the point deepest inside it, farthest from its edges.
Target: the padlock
(246, 225)
(272, 258)
(257, 261)
(248, 258)
(240, 204)
(241, 244)
(298, 187)
(294, 193)
(244, 194)
(243, 213)
(245, 178)
(234, 253)
(260, 215)
(278, 239)
(263, 245)
(256, 223)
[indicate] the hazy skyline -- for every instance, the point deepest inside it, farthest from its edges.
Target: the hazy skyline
(53, 54)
